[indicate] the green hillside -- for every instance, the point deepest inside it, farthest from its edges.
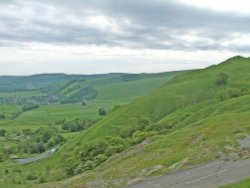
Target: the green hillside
(182, 91)
(190, 120)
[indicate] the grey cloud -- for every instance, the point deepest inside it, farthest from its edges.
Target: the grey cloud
(158, 24)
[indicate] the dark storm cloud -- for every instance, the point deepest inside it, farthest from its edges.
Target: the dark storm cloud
(158, 24)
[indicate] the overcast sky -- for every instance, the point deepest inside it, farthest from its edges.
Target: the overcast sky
(101, 36)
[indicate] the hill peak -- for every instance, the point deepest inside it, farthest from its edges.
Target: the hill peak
(235, 60)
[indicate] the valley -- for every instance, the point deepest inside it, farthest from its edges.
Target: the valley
(124, 94)
(31, 124)
(119, 138)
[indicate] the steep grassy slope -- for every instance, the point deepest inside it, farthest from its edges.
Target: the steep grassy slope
(184, 90)
(194, 118)
(186, 145)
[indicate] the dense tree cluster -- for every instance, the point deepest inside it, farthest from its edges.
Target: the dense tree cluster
(222, 79)
(32, 142)
(102, 112)
(30, 107)
(2, 133)
(90, 155)
(77, 125)
(232, 93)
(93, 154)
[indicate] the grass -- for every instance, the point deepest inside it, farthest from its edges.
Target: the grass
(46, 115)
(242, 184)
(130, 90)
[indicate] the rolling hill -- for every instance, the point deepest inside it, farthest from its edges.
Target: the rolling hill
(60, 88)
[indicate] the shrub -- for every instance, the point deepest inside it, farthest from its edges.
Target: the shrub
(1, 158)
(100, 159)
(141, 124)
(222, 79)
(30, 107)
(90, 155)
(31, 177)
(140, 136)
(102, 112)
(2, 132)
(42, 179)
(58, 122)
(78, 170)
(27, 132)
(89, 165)
(77, 125)
(232, 93)
(51, 144)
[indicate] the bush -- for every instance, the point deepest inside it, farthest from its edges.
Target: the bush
(38, 148)
(89, 165)
(42, 179)
(102, 112)
(30, 107)
(222, 79)
(139, 136)
(59, 139)
(77, 125)
(232, 93)
(1, 158)
(78, 170)
(51, 144)
(58, 122)
(31, 177)
(27, 132)
(141, 124)
(90, 155)
(100, 159)
(2, 132)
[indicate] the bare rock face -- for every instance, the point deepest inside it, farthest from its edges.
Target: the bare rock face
(155, 169)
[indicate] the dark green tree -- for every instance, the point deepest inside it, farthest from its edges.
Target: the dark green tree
(2, 132)
(102, 112)
(222, 79)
